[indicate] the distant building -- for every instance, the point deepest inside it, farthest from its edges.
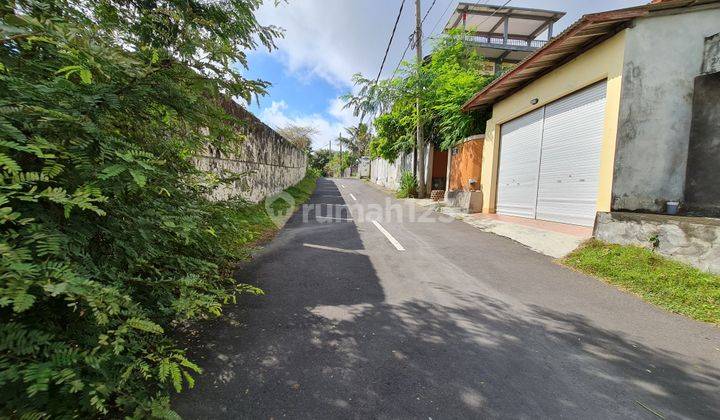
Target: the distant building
(504, 35)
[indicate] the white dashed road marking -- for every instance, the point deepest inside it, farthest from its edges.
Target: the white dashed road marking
(353, 197)
(389, 236)
(332, 218)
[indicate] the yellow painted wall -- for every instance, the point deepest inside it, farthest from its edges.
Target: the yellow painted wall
(604, 61)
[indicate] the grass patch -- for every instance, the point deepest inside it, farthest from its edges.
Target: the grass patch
(672, 285)
(255, 223)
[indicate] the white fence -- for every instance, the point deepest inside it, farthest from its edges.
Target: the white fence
(388, 174)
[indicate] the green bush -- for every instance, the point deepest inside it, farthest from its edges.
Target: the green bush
(107, 238)
(408, 185)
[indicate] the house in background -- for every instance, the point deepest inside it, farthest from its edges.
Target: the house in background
(594, 129)
(503, 35)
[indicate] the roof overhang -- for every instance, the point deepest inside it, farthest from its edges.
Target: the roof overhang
(487, 20)
(579, 37)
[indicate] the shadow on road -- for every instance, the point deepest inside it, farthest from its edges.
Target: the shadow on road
(324, 343)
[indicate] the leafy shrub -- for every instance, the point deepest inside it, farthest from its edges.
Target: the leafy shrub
(408, 185)
(107, 238)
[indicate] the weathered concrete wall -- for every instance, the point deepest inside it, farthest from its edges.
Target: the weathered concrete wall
(711, 59)
(467, 201)
(702, 192)
(387, 173)
(268, 161)
(663, 55)
(692, 240)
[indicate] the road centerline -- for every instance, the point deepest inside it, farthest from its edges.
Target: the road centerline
(353, 197)
(390, 238)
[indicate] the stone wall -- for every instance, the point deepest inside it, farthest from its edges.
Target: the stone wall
(692, 240)
(267, 162)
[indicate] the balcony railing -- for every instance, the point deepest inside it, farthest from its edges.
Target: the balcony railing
(499, 41)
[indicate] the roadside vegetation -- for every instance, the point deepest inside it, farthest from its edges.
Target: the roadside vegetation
(442, 84)
(252, 224)
(674, 286)
(408, 185)
(107, 237)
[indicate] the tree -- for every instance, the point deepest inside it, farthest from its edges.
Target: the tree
(358, 139)
(371, 99)
(319, 160)
(298, 135)
(452, 74)
(108, 239)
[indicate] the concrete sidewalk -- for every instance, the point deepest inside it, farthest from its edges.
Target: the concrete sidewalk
(552, 239)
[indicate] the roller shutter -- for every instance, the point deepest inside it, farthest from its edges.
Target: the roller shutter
(563, 140)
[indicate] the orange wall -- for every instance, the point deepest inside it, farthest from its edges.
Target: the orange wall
(466, 164)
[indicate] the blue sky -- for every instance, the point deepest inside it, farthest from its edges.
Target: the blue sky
(327, 41)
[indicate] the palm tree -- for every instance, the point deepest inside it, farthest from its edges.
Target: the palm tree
(358, 139)
(373, 97)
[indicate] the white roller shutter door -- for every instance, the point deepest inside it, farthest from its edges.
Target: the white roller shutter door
(570, 158)
(519, 160)
(550, 160)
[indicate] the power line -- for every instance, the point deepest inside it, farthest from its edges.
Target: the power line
(407, 47)
(492, 14)
(428, 11)
(437, 22)
(392, 35)
(410, 40)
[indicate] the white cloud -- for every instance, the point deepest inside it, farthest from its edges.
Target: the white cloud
(277, 115)
(333, 39)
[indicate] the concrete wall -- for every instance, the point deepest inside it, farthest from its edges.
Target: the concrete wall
(270, 162)
(711, 59)
(388, 174)
(602, 62)
(702, 192)
(663, 55)
(466, 164)
(692, 240)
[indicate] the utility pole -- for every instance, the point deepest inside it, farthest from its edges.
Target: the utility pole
(341, 156)
(420, 148)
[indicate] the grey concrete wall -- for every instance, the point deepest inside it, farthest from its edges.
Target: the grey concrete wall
(388, 174)
(663, 55)
(692, 240)
(267, 161)
(702, 191)
(711, 59)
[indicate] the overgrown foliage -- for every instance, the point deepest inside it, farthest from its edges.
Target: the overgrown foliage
(107, 239)
(408, 185)
(318, 161)
(443, 83)
(357, 140)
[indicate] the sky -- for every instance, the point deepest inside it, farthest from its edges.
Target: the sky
(327, 41)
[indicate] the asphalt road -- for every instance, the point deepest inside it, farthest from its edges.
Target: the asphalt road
(459, 324)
